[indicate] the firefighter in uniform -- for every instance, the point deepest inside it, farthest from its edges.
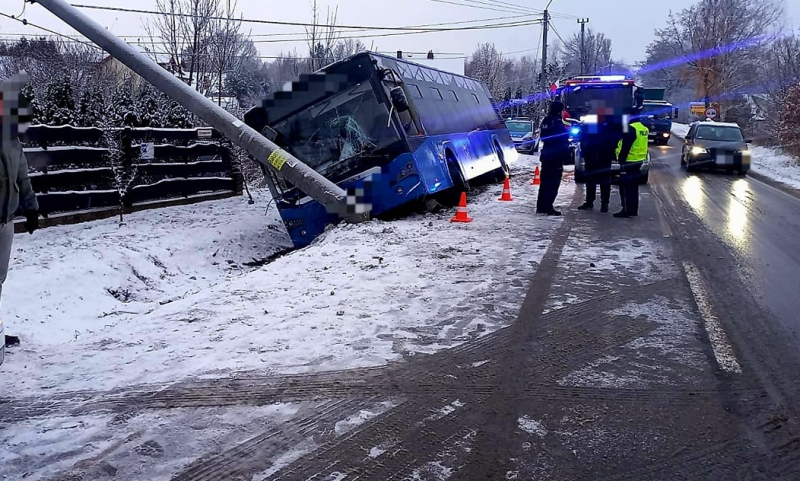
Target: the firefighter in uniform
(555, 151)
(631, 153)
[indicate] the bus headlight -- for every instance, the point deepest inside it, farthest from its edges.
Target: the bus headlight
(698, 151)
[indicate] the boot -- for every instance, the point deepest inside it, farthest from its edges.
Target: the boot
(586, 206)
(604, 208)
(553, 212)
(622, 215)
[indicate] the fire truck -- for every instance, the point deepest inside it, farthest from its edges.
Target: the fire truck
(601, 98)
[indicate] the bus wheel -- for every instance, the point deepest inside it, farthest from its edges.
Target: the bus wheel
(503, 171)
(460, 184)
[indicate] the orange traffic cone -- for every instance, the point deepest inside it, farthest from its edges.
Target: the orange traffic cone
(536, 179)
(506, 197)
(461, 211)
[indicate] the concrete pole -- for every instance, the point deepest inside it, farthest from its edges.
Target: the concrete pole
(583, 22)
(333, 197)
(545, 26)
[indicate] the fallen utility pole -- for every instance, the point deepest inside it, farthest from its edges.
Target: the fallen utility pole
(330, 195)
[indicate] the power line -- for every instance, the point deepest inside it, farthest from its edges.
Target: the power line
(269, 22)
(395, 34)
(288, 34)
(523, 7)
(27, 23)
(557, 34)
(482, 7)
(377, 35)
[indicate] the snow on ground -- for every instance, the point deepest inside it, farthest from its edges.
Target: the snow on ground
(67, 282)
(770, 162)
(361, 295)
(43, 448)
(362, 416)
(776, 165)
(531, 426)
(680, 129)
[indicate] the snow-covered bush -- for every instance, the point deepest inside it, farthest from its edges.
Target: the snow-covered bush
(789, 128)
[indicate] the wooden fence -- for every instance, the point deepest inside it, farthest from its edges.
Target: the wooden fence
(76, 180)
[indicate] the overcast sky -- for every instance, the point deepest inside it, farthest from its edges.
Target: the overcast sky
(629, 23)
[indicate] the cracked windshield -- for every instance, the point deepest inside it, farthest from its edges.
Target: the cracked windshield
(422, 241)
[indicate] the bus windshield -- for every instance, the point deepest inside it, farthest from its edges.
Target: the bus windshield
(346, 125)
(589, 99)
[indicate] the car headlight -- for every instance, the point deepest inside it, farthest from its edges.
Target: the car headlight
(698, 150)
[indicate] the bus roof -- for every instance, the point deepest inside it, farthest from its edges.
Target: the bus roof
(381, 56)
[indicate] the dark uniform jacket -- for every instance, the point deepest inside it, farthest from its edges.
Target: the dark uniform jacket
(554, 134)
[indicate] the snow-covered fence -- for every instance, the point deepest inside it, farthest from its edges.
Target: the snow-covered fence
(75, 180)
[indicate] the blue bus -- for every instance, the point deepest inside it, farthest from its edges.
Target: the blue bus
(394, 133)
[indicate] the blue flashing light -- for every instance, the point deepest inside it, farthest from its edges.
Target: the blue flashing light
(575, 130)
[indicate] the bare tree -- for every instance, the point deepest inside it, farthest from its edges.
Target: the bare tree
(593, 52)
(321, 39)
(197, 28)
(226, 46)
(718, 41)
(347, 48)
(487, 65)
(183, 29)
(167, 28)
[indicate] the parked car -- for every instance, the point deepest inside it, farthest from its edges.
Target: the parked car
(716, 144)
(524, 134)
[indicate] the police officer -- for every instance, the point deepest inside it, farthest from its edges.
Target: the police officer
(631, 153)
(598, 142)
(555, 151)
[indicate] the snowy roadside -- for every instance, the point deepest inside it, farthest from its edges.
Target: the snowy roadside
(771, 163)
(67, 282)
(361, 295)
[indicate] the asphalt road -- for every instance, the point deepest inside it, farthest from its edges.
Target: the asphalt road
(660, 347)
(757, 222)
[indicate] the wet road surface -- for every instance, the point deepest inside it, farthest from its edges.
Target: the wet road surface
(757, 222)
(661, 347)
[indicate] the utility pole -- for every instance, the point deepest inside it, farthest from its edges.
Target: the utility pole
(545, 25)
(583, 22)
(330, 195)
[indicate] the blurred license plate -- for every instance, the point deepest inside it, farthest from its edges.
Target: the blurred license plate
(724, 158)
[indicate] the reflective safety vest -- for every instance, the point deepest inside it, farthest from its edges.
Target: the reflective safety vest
(640, 146)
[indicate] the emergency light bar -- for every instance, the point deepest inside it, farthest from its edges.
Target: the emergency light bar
(600, 80)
